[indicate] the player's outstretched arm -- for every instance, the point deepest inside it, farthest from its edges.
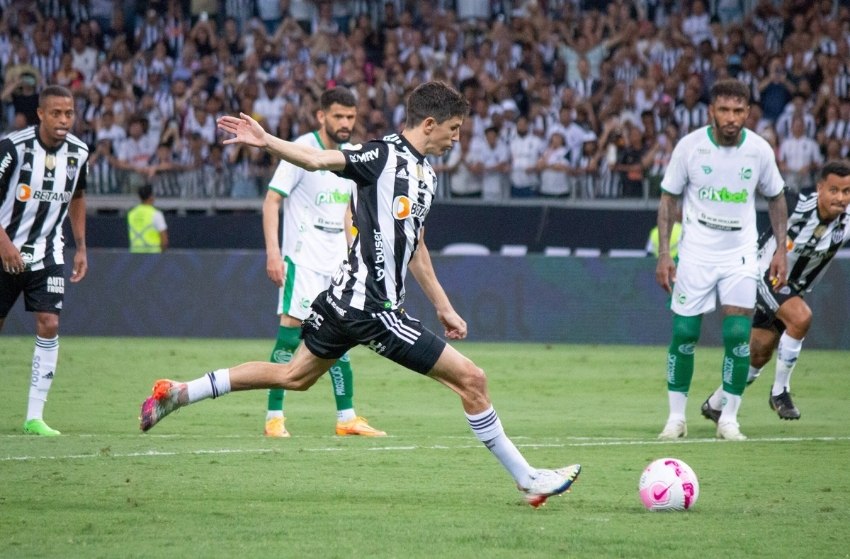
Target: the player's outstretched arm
(248, 131)
(422, 269)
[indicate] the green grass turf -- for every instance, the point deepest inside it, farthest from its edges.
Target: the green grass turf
(206, 483)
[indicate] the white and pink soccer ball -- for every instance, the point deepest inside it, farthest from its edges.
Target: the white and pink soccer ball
(668, 484)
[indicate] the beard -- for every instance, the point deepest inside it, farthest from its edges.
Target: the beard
(728, 135)
(338, 136)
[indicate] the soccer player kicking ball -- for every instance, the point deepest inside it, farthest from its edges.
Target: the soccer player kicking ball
(395, 188)
(817, 228)
(717, 170)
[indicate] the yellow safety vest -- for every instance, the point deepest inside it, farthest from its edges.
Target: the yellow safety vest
(144, 238)
(675, 235)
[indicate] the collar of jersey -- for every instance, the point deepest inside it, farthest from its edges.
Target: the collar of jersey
(710, 130)
(420, 158)
(43, 145)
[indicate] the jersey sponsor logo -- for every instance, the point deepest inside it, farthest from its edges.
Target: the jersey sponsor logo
(339, 310)
(378, 239)
(332, 197)
(364, 157)
(706, 169)
(723, 195)
(56, 284)
(404, 207)
(314, 321)
(26, 192)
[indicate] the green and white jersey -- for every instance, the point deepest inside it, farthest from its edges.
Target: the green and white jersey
(313, 212)
(718, 186)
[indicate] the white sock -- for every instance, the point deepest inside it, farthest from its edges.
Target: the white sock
(345, 415)
(211, 385)
(786, 359)
(753, 373)
(730, 408)
(271, 414)
(488, 429)
(678, 402)
(44, 359)
(716, 399)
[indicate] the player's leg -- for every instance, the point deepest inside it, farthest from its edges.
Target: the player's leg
(288, 338)
(43, 296)
(342, 383)
(796, 315)
(299, 374)
(469, 382)
(737, 293)
(693, 295)
(680, 371)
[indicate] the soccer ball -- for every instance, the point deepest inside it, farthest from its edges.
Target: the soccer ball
(668, 484)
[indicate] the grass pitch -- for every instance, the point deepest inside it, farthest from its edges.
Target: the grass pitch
(206, 482)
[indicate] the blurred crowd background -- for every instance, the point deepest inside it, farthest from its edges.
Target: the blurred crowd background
(571, 99)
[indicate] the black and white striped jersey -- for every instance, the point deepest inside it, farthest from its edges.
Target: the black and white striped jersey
(811, 244)
(395, 187)
(36, 187)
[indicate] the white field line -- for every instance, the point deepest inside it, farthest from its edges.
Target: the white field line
(582, 442)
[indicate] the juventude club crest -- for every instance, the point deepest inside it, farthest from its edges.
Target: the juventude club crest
(746, 173)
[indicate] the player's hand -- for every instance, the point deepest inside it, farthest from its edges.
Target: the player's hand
(665, 272)
(245, 129)
(11, 257)
(778, 271)
(81, 266)
(275, 270)
(455, 326)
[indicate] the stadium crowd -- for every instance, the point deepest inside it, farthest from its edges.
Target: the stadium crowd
(570, 98)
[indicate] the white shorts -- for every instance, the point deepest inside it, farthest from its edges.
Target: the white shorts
(300, 287)
(699, 285)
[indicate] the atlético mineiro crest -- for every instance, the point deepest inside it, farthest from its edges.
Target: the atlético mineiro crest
(71, 169)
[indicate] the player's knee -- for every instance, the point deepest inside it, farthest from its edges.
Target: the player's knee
(799, 325)
(473, 380)
(686, 329)
(47, 325)
(736, 329)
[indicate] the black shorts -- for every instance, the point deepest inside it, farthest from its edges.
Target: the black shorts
(766, 303)
(331, 330)
(44, 290)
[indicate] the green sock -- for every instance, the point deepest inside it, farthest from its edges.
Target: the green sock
(680, 354)
(287, 341)
(342, 382)
(736, 354)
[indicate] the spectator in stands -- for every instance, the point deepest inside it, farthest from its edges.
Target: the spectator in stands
(495, 159)
(460, 164)
(525, 152)
(108, 129)
(555, 169)
(630, 162)
(134, 152)
(799, 158)
(21, 92)
(775, 90)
